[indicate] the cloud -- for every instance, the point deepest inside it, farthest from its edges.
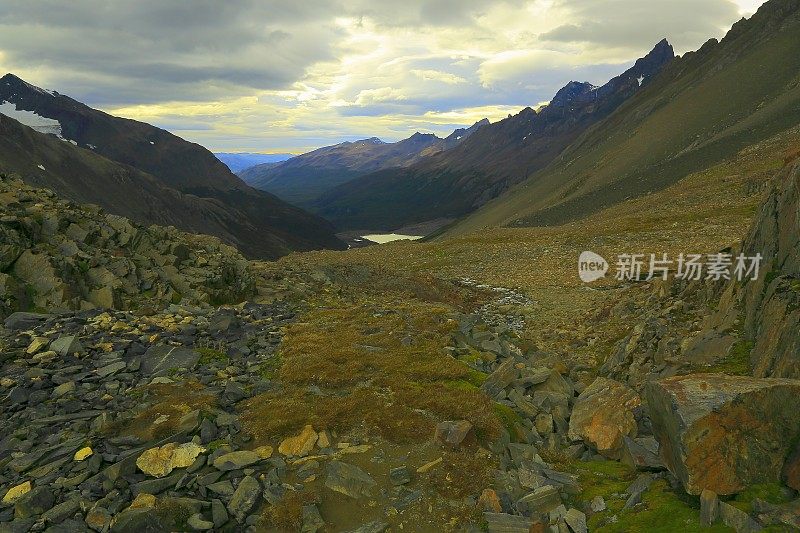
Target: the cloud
(283, 75)
(627, 23)
(436, 75)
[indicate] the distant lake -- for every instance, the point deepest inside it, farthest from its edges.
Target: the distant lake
(383, 238)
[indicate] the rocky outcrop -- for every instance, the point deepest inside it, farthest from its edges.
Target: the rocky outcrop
(59, 255)
(724, 433)
(772, 302)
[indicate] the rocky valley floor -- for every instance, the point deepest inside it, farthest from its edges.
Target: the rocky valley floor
(465, 385)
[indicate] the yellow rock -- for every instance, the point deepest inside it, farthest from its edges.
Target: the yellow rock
(361, 448)
(424, 468)
(324, 441)
(185, 454)
(83, 453)
(37, 344)
(301, 444)
(265, 452)
(14, 493)
(158, 462)
(143, 501)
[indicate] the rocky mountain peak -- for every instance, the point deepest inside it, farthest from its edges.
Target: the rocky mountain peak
(571, 92)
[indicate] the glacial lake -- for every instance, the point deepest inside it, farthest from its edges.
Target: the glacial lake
(383, 238)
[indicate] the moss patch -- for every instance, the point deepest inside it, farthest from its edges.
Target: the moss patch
(210, 355)
(768, 492)
(737, 362)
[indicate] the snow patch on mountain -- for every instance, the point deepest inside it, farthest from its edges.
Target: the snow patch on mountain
(31, 119)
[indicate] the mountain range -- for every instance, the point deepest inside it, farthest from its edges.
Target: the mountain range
(457, 181)
(145, 173)
(303, 179)
(238, 161)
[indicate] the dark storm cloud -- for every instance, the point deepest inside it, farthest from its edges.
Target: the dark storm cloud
(184, 50)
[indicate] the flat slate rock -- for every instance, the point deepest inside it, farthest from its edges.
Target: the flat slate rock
(507, 523)
(22, 321)
(160, 360)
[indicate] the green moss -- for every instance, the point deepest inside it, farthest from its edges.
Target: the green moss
(601, 478)
(460, 384)
(173, 514)
(768, 492)
(661, 510)
(737, 362)
(269, 368)
(210, 355)
(477, 378)
(216, 444)
(510, 420)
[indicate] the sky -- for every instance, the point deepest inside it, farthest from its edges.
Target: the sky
(276, 76)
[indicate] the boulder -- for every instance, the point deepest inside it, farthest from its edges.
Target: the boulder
(138, 520)
(539, 502)
(312, 520)
(299, 445)
(721, 432)
(603, 415)
(349, 479)
(34, 502)
(576, 521)
(501, 378)
(641, 453)
(16, 492)
(791, 469)
(236, 460)
(244, 499)
(22, 321)
(160, 360)
(158, 462)
(737, 519)
(67, 345)
(507, 523)
(454, 433)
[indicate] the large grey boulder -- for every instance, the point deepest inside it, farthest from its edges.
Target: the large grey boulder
(724, 433)
(349, 479)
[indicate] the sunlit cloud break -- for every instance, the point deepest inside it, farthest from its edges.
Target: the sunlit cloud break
(281, 76)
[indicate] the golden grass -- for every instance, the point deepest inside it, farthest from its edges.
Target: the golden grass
(381, 364)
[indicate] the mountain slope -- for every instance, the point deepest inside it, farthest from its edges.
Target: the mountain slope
(496, 157)
(158, 163)
(304, 178)
(239, 161)
(83, 176)
(703, 109)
